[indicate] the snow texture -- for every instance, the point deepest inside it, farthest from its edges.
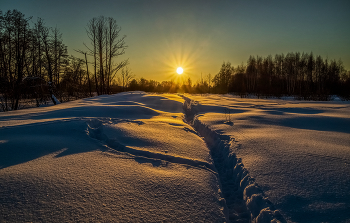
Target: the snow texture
(244, 198)
(127, 157)
(298, 152)
(135, 157)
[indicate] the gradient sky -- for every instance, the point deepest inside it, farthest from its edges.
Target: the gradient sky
(200, 35)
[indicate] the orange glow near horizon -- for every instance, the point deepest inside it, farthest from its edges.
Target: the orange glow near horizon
(175, 53)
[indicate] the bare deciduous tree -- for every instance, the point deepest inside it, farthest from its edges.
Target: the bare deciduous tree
(126, 77)
(106, 45)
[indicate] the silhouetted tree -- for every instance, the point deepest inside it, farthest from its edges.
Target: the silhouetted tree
(126, 76)
(209, 78)
(106, 45)
(222, 79)
(15, 40)
(87, 69)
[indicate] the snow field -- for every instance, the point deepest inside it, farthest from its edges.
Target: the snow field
(244, 198)
(298, 152)
(127, 158)
(131, 157)
(103, 186)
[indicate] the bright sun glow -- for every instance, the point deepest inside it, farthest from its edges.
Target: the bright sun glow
(179, 70)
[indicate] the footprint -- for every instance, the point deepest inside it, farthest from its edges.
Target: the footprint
(94, 129)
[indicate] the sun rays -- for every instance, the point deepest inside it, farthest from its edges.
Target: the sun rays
(178, 58)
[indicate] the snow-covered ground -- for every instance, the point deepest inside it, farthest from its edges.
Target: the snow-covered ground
(297, 151)
(122, 158)
(130, 157)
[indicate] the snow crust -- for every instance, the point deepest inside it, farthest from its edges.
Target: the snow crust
(121, 158)
(298, 152)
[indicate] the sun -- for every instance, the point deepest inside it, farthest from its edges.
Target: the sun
(179, 70)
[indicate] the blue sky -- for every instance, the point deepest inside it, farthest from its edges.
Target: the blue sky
(199, 35)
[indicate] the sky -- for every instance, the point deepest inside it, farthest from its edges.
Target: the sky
(199, 35)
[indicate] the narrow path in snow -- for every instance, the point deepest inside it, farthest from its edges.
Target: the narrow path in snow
(245, 200)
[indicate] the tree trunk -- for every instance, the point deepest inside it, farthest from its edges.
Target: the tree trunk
(87, 72)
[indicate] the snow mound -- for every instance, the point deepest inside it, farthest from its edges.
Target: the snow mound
(244, 198)
(95, 129)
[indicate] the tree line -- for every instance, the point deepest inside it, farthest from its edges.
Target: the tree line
(301, 75)
(296, 74)
(35, 66)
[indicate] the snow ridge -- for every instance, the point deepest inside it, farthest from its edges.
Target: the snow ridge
(245, 200)
(95, 130)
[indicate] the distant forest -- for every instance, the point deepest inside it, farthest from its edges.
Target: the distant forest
(301, 75)
(296, 74)
(35, 68)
